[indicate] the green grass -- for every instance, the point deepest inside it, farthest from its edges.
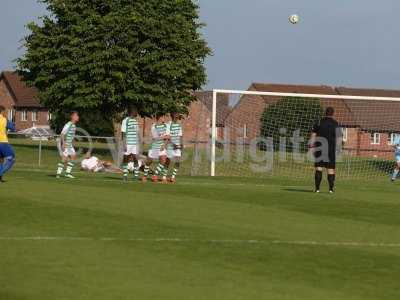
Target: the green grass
(351, 167)
(193, 240)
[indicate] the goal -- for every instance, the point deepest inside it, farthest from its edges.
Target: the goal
(265, 131)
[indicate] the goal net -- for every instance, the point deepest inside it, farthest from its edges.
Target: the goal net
(266, 133)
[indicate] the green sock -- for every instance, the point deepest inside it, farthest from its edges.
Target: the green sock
(174, 172)
(136, 172)
(60, 168)
(70, 166)
(146, 171)
(126, 170)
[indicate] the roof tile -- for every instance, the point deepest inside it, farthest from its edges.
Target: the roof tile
(24, 96)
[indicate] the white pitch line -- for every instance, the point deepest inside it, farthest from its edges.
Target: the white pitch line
(179, 240)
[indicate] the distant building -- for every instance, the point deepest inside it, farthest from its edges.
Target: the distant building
(375, 123)
(197, 124)
(25, 110)
(369, 127)
(21, 103)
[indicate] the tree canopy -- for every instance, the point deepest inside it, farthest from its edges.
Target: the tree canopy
(104, 55)
(288, 115)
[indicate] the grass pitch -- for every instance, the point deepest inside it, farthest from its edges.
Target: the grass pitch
(97, 238)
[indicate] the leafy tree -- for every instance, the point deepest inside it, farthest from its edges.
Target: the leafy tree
(101, 56)
(93, 123)
(288, 115)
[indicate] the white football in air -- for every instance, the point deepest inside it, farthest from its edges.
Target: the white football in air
(294, 19)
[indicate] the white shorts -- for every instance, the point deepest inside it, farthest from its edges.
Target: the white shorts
(177, 153)
(155, 154)
(131, 165)
(132, 150)
(92, 164)
(69, 152)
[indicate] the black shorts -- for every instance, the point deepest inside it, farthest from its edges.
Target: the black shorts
(329, 163)
(326, 165)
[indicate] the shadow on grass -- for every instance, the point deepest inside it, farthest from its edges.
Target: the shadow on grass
(113, 178)
(305, 190)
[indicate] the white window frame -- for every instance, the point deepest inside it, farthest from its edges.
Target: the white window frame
(24, 115)
(10, 115)
(375, 138)
(391, 138)
(345, 134)
(34, 115)
(49, 116)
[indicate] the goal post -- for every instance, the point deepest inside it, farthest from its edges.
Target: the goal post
(213, 131)
(257, 122)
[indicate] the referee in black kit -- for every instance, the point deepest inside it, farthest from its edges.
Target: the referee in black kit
(324, 138)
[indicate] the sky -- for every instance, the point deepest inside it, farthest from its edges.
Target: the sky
(342, 42)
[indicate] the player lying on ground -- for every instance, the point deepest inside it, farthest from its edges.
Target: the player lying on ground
(174, 147)
(67, 152)
(95, 165)
(7, 154)
(396, 157)
(324, 139)
(158, 151)
(130, 137)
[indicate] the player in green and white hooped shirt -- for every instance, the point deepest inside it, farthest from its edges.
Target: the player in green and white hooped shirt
(131, 137)
(68, 154)
(174, 147)
(158, 151)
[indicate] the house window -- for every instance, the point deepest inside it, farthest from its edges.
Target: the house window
(375, 138)
(34, 116)
(392, 138)
(24, 116)
(344, 134)
(48, 116)
(245, 131)
(220, 132)
(10, 115)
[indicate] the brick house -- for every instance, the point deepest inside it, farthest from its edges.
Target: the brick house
(369, 127)
(197, 124)
(246, 115)
(21, 103)
(26, 111)
(375, 123)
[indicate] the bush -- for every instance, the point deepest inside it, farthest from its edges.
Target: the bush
(289, 114)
